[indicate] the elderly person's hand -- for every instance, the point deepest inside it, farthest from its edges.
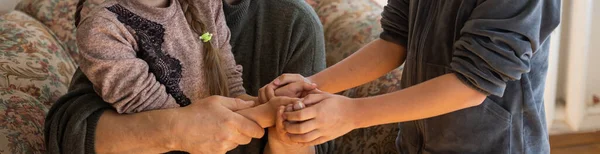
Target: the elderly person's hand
(212, 126)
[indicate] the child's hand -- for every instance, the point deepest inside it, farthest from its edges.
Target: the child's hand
(289, 85)
(279, 141)
(327, 116)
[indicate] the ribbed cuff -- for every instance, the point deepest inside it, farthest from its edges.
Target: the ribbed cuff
(90, 132)
(390, 37)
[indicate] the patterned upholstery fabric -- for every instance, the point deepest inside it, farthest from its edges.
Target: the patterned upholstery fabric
(32, 60)
(57, 15)
(349, 25)
(35, 70)
(21, 122)
(36, 67)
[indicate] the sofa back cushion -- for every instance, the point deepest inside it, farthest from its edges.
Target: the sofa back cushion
(56, 15)
(33, 61)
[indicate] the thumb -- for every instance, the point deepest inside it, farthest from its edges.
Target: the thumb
(236, 104)
(303, 86)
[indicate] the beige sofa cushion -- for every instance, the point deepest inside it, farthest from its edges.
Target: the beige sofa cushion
(32, 60)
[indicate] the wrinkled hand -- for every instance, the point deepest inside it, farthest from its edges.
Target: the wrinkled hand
(327, 117)
(212, 126)
(289, 85)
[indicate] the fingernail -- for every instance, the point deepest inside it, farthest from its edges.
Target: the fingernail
(280, 111)
(314, 84)
(276, 81)
(298, 106)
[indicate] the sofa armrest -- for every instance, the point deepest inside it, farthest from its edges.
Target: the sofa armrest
(21, 122)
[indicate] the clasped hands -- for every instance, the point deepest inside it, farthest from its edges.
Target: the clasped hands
(315, 118)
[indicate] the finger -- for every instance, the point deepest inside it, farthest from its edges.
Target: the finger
(318, 141)
(301, 128)
(289, 108)
(305, 138)
(240, 139)
(302, 115)
(261, 93)
(235, 104)
(288, 78)
(285, 91)
(312, 99)
(228, 146)
(247, 127)
(314, 91)
(304, 86)
(270, 91)
(295, 89)
(279, 121)
(279, 101)
(299, 106)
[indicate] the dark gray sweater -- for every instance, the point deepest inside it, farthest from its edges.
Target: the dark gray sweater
(269, 38)
(272, 37)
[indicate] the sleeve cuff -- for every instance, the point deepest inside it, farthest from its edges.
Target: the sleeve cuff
(236, 83)
(325, 148)
(390, 37)
(90, 133)
(481, 84)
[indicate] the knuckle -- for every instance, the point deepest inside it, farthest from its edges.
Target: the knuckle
(247, 140)
(228, 121)
(283, 76)
(227, 137)
(222, 147)
(224, 137)
(219, 137)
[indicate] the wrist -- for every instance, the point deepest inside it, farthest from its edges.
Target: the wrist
(262, 114)
(267, 115)
(356, 109)
(274, 146)
(164, 127)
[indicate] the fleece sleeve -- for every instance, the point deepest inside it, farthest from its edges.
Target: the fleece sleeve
(499, 39)
(394, 21)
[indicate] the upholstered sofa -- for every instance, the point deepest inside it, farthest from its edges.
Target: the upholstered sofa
(37, 46)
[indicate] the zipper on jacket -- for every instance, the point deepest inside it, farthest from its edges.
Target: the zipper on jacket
(430, 17)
